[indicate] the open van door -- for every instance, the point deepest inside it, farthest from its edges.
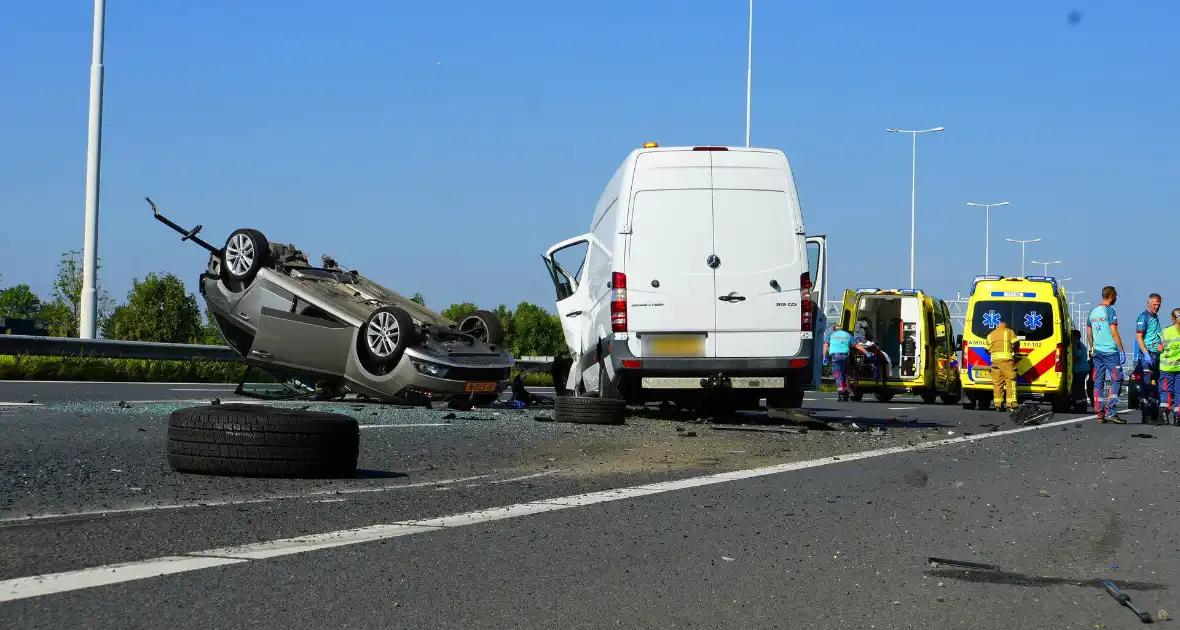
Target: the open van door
(817, 263)
(572, 304)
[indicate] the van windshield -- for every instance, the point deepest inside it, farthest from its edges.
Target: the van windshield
(1031, 320)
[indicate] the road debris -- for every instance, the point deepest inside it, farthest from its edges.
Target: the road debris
(1143, 435)
(936, 562)
(740, 427)
(916, 478)
(1125, 600)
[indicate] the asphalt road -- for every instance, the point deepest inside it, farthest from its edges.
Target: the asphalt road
(658, 523)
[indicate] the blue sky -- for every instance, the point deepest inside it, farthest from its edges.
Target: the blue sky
(440, 147)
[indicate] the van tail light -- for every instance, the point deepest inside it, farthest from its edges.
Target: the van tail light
(618, 302)
(806, 318)
(1059, 364)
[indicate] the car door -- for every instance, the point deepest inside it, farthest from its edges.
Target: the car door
(817, 264)
(572, 303)
(302, 343)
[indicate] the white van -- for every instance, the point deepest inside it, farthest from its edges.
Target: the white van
(698, 285)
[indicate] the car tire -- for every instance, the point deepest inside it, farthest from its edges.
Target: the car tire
(384, 337)
(483, 325)
(587, 410)
(261, 441)
(246, 251)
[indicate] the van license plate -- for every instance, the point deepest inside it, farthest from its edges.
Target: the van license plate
(479, 387)
(674, 346)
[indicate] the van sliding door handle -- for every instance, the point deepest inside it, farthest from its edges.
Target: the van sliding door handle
(573, 313)
(732, 297)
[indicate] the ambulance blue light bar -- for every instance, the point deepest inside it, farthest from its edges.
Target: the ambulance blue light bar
(1050, 279)
(910, 291)
(868, 290)
(979, 279)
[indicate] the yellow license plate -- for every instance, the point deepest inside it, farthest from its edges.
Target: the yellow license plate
(479, 387)
(676, 346)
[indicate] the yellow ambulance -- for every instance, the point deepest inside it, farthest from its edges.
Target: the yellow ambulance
(914, 331)
(1036, 309)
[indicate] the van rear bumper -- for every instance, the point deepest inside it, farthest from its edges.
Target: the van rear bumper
(641, 379)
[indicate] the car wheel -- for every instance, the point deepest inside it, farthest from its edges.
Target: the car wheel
(245, 252)
(384, 336)
(257, 440)
(483, 325)
(586, 410)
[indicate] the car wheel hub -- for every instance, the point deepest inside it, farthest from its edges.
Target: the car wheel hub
(239, 254)
(383, 334)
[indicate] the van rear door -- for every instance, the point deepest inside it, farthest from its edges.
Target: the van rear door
(759, 240)
(670, 285)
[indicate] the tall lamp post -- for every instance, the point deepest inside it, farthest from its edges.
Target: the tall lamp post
(749, 70)
(914, 187)
(987, 231)
(1046, 264)
(89, 306)
(1022, 244)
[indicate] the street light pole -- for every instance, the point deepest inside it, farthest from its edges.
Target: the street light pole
(1046, 264)
(89, 297)
(987, 231)
(1022, 244)
(749, 70)
(913, 187)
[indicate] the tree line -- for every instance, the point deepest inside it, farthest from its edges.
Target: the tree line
(159, 309)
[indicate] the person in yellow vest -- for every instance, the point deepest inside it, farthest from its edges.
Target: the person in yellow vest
(1170, 370)
(1001, 344)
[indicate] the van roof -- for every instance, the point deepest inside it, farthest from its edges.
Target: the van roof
(1033, 284)
(705, 147)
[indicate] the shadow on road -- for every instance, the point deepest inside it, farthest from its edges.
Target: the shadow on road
(379, 474)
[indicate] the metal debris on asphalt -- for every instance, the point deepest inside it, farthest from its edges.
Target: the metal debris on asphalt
(1125, 600)
(739, 427)
(1142, 435)
(935, 562)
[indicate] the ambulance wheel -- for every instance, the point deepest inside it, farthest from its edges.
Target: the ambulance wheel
(883, 396)
(950, 399)
(856, 396)
(928, 398)
(1062, 404)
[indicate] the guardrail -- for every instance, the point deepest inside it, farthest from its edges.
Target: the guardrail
(116, 349)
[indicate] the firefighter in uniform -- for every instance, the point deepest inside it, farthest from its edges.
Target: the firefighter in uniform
(1001, 343)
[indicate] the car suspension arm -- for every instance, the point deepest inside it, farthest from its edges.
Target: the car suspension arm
(189, 235)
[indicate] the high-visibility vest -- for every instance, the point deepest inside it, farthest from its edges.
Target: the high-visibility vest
(1170, 357)
(999, 344)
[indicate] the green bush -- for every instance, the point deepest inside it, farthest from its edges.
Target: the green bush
(32, 368)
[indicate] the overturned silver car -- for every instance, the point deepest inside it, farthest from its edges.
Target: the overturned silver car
(337, 331)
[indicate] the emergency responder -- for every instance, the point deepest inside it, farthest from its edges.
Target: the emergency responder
(1081, 372)
(1147, 353)
(1170, 369)
(1001, 344)
(1106, 355)
(836, 349)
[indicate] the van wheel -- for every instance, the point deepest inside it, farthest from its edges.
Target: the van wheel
(1062, 404)
(856, 396)
(951, 399)
(883, 396)
(929, 397)
(579, 410)
(606, 389)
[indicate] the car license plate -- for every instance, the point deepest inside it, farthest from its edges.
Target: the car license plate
(674, 346)
(479, 387)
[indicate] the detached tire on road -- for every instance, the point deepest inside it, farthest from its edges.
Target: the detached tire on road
(579, 410)
(261, 441)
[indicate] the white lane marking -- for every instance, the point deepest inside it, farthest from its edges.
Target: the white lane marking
(900, 408)
(137, 383)
(299, 544)
(199, 389)
(227, 502)
(405, 424)
(35, 586)
(20, 404)
(329, 500)
(532, 476)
